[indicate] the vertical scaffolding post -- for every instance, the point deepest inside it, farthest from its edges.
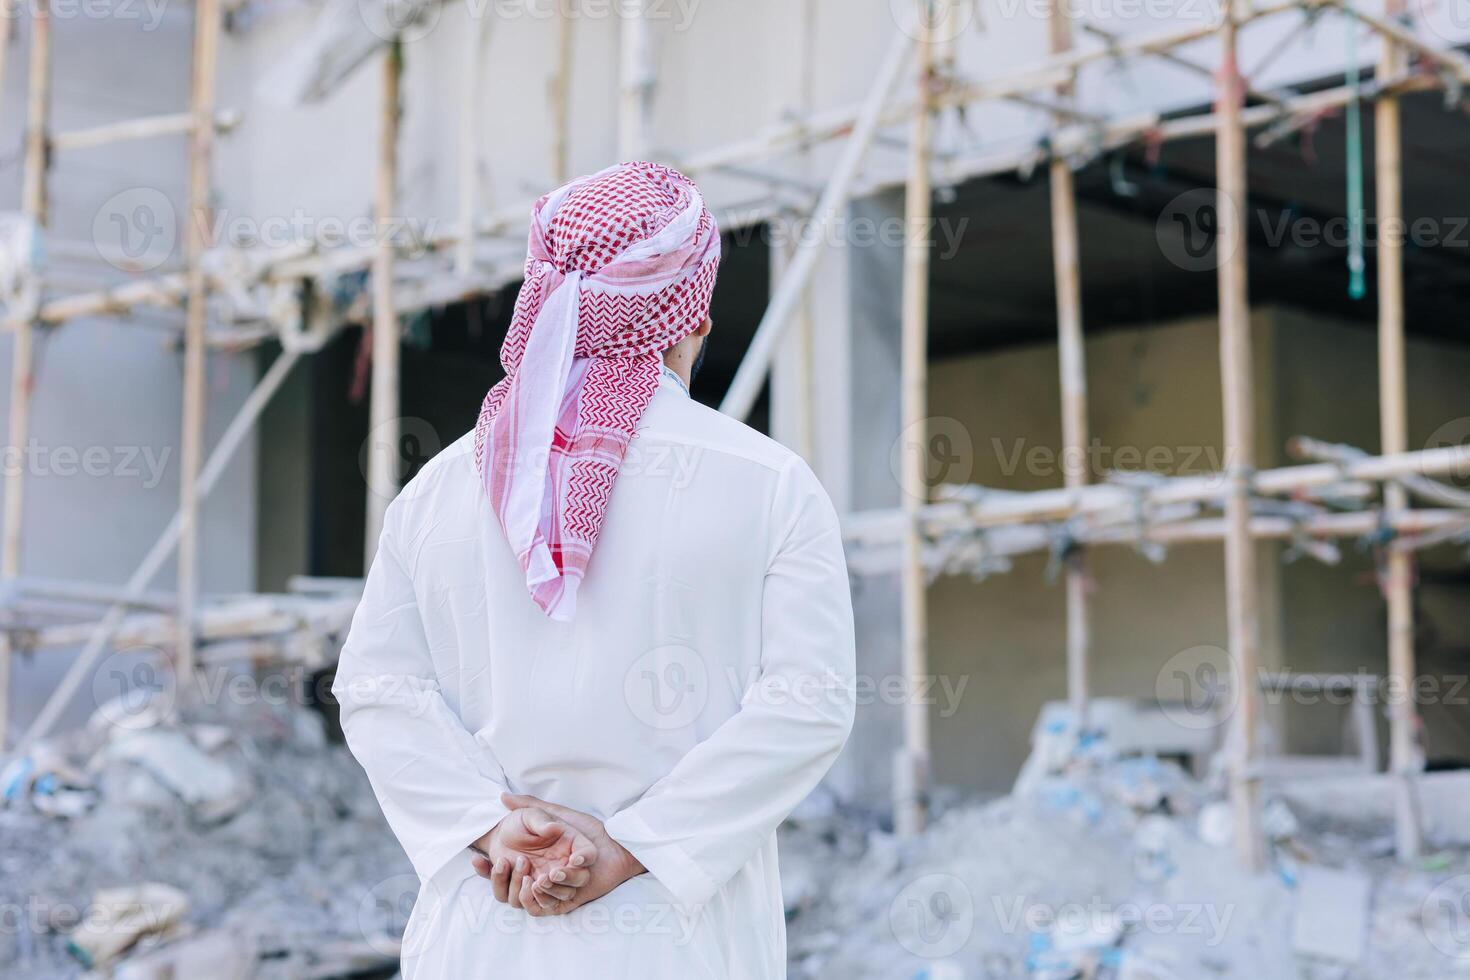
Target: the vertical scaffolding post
(196, 242)
(471, 100)
(383, 423)
(1394, 425)
(635, 82)
(911, 775)
(1239, 411)
(22, 351)
(793, 412)
(33, 204)
(561, 95)
(1073, 365)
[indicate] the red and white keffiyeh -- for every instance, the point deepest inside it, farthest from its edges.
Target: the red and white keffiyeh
(620, 267)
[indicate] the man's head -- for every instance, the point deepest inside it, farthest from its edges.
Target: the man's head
(620, 268)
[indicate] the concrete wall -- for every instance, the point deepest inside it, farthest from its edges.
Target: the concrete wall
(1154, 404)
(1156, 391)
(1334, 619)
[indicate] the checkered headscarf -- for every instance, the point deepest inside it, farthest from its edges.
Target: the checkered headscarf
(620, 267)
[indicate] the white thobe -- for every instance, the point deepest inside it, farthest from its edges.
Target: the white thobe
(703, 688)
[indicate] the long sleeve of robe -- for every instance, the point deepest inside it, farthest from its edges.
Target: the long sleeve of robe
(702, 690)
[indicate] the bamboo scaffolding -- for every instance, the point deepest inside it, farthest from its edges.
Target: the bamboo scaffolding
(196, 243)
(1042, 506)
(1179, 61)
(561, 93)
(22, 352)
(911, 770)
(33, 205)
(954, 544)
(149, 127)
(1394, 32)
(926, 534)
(383, 422)
(1398, 585)
(305, 261)
(635, 82)
(1236, 367)
(1430, 491)
(101, 634)
(233, 620)
(1072, 365)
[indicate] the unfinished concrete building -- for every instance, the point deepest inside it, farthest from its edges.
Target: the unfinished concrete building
(1129, 341)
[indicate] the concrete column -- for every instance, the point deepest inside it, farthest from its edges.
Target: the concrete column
(855, 328)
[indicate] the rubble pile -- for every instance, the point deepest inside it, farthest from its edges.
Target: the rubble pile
(1114, 868)
(238, 845)
(242, 845)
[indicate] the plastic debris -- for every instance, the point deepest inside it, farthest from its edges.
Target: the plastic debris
(120, 917)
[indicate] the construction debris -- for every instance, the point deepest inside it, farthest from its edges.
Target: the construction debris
(124, 916)
(1114, 867)
(237, 844)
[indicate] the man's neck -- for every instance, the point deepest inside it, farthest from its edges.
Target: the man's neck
(680, 364)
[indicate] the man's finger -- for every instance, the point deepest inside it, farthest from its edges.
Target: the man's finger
(584, 852)
(560, 893)
(544, 901)
(500, 880)
(540, 823)
(533, 902)
(523, 801)
(571, 877)
(518, 801)
(517, 882)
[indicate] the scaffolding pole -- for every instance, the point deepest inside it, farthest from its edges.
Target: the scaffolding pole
(22, 351)
(911, 774)
(196, 243)
(1239, 412)
(561, 94)
(1398, 582)
(33, 205)
(1071, 356)
(384, 423)
(635, 82)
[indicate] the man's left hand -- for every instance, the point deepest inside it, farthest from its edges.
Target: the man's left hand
(613, 864)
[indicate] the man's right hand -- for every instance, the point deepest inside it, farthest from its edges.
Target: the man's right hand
(543, 860)
(612, 866)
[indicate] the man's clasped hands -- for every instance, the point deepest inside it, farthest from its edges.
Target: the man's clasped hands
(550, 859)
